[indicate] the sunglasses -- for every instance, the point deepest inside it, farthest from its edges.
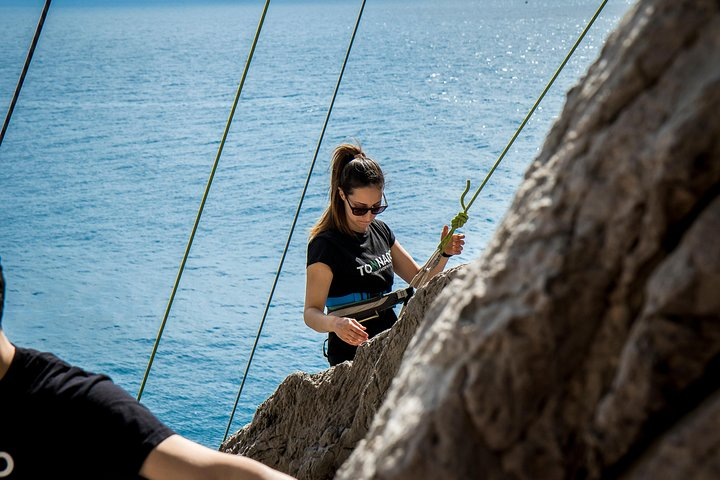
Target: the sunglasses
(362, 211)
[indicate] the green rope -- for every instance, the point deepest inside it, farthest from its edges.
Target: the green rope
(25, 68)
(459, 220)
(462, 217)
(294, 222)
(204, 199)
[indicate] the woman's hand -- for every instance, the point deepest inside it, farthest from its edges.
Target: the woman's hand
(349, 330)
(455, 245)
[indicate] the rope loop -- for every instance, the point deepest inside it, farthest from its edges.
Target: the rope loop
(459, 220)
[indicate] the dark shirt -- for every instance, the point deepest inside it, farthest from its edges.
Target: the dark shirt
(59, 421)
(362, 268)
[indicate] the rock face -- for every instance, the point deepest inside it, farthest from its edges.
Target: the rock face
(311, 424)
(585, 343)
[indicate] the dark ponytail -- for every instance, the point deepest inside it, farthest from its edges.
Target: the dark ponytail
(351, 169)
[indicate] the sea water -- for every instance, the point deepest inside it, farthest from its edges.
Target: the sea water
(112, 142)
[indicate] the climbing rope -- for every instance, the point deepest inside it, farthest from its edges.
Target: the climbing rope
(295, 218)
(28, 59)
(424, 274)
(204, 199)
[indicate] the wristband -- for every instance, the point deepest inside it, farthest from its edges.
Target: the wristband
(446, 255)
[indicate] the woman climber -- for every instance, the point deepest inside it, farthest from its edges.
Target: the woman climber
(352, 256)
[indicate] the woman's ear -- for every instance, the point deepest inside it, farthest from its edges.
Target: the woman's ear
(342, 194)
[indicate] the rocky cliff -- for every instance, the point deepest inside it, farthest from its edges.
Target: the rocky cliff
(312, 423)
(585, 343)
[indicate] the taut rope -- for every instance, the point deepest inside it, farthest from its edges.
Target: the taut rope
(28, 59)
(294, 222)
(204, 199)
(423, 275)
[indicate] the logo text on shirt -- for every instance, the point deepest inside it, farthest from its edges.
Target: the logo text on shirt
(376, 264)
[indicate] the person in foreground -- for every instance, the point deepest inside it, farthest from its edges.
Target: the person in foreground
(352, 256)
(59, 421)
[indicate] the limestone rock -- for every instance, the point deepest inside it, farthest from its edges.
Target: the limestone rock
(584, 340)
(311, 424)
(585, 343)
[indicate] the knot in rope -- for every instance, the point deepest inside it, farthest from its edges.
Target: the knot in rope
(459, 220)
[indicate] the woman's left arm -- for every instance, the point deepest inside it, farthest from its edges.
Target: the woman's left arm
(405, 266)
(403, 263)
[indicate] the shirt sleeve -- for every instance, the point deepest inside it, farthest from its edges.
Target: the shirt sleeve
(106, 433)
(130, 430)
(320, 250)
(387, 233)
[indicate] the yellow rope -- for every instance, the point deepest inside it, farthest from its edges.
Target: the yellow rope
(26, 66)
(202, 203)
(462, 216)
(297, 213)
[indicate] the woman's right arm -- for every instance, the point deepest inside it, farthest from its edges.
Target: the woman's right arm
(319, 277)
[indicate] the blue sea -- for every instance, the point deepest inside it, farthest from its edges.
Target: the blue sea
(112, 142)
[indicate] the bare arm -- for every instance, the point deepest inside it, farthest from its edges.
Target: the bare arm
(405, 266)
(177, 458)
(319, 277)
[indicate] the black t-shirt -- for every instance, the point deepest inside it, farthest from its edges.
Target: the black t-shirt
(362, 268)
(59, 421)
